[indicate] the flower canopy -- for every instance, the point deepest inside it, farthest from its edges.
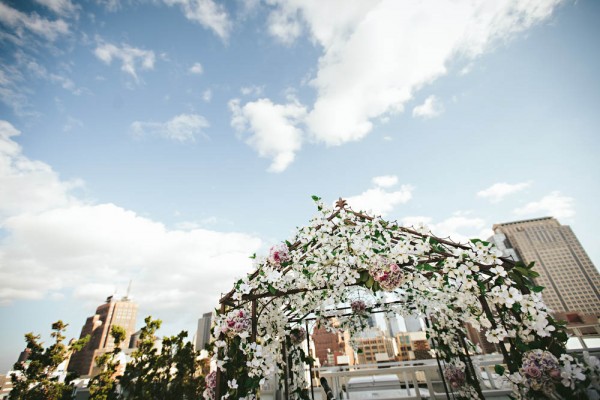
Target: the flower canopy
(344, 265)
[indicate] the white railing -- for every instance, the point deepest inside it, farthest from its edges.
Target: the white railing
(419, 379)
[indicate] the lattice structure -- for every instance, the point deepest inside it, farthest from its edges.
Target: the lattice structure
(344, 258)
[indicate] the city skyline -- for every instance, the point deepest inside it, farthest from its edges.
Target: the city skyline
(165, 144)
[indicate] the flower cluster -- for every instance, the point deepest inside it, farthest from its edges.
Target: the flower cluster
(211, 384)
(339, 250)
(540, 370)
(359, 307)
(237, 322)
(454, 373)
(279, 254)
(297, 336)
(572, 371)
(387, 273)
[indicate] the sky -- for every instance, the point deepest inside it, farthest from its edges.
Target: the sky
(163, 142)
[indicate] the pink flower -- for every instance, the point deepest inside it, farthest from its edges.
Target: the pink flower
(532, 371)
(279, 254)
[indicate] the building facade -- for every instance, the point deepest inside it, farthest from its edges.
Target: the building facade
(571, 281)
(203, 332)
(374, 346)
(328, 346)
(113, 312)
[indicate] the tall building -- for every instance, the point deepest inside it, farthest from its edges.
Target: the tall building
(391, 324)
(412, 323)
(328, 346)
(203, 332)
(374, 346)
(112, 313)
(412, 346)
(571, 281)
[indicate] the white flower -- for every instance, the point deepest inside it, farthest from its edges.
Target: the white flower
(273, 276)
(541, 326)
(496, 335)
(232, 384)
(570, 373)
(498, 271)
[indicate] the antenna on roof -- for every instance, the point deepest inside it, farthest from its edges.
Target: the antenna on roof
(128, 290)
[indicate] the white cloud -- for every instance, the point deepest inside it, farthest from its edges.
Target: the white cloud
(181, 128)
(207, 95)
(110, 5)
(50, 237)
(253, 90)
(40, 72)
(377, 54)
(498, 191)
(207, 13)
(432, 107)
(130, 57)
(554, 205)
(274, 134)
(460, 227)
(20, 22)
(64, 8)
(27, 185)
(196, 69)
(284, 25)
(377, 200)
(385, 181)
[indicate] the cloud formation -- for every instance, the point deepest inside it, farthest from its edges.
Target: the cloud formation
(459, 227)
(498, 191)
(272, 127)
(554, 205)
(432, 107)
(378, 200)
(54, 244)
(377, 54)
(181, 128)
(207, 13)
(63, 8)
(130, 57)
(21, 22)
(196, 69)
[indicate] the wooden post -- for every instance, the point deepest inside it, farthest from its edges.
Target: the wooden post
(219, 377)
(287, 371)
(310, 363)
(438, 362)
(254, 322)
(490, 315)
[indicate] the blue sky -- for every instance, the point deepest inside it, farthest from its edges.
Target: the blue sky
(165, 141)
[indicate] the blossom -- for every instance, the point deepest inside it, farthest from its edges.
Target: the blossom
(297, 335)
(358, 307)
(570, 374)
(539, 369)
(279, 254)
(454, 373)
(387, 273)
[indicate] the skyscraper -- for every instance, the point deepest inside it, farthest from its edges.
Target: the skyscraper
(570, 278)
(112, 313)
(391, 324)
(203, 332)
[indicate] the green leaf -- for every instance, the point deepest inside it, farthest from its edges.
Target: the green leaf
(272, 289)
(499, 369)
(537, 289)
(315, 198)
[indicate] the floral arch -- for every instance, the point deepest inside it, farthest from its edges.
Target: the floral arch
(346, 264)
